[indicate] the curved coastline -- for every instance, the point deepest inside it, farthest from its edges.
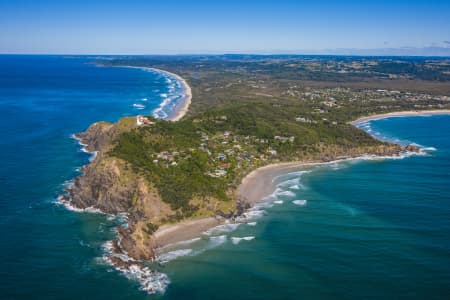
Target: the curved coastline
(151, 281)
(399, 114)
(182, 108)
(259, 183)
(254, 187)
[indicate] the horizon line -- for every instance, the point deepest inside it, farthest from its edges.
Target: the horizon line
(228, 53)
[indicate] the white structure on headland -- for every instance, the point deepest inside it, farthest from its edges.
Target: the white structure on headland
(141, 120)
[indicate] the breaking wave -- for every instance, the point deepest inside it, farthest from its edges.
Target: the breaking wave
(237, 240)
(138, 106)
(150, 281)
(300, 202)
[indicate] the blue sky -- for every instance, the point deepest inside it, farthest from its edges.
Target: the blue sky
(281, 26)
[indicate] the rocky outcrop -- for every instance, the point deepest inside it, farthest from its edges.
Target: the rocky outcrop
(104, 186)
(97, 136)
(109, 184)
(100, 134)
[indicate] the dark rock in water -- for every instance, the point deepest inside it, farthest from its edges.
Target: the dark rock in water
(412, 148)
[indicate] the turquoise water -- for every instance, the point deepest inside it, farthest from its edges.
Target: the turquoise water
(368, 229)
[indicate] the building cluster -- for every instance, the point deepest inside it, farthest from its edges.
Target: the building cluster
(141, 120)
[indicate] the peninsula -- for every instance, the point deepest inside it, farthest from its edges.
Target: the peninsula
(250, 118)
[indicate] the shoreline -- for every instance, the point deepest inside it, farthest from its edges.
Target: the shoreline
(406, 113)
(259, 183)
(170, 234)
(181, 108)
(254, 188)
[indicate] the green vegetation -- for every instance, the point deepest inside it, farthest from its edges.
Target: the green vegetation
(203, 156)
(249, 111)
(150, 228)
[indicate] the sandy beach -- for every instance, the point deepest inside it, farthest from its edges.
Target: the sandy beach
(256, 185)
(259, 184)
(402, 114)
(183, 231)
(182, 108)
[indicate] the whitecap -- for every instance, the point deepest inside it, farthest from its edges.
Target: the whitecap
(278, 202)
(299, 202)
(251, 223)
(216, 241)
(289, 182)
(150, 281)
(237, 240)
(429, 149)
(68, 205)
(224, 228)
(169, 256)
(285, 193)
(182, 243)
(251, 215)
(138, 106)
(84, 148)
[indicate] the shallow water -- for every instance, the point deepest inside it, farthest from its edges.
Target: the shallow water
(350, 230)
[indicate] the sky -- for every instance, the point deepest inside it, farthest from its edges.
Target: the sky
(225, 26)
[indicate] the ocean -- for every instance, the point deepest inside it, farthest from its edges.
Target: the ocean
(360, 229)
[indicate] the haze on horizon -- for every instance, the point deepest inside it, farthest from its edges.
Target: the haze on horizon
(370, 27)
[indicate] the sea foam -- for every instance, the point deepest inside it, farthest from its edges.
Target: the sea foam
(225, 228)
(138, 106)
(300, 202)
(237, 240)
(285, 193)
(150, 281)
(169, 256)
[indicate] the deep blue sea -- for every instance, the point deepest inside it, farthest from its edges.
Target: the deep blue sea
(362, 229)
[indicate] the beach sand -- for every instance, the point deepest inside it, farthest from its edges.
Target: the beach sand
(183, 231)
(259, 184)
(402, 114)
(183, 107)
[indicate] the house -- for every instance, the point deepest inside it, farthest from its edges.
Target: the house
(225, 165)
(141, 120)
(272, 152)
(218, 173)
(221, 157)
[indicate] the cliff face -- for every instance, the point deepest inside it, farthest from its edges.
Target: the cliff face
(109, 184)
(114, 186)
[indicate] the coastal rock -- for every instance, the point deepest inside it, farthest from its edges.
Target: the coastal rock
(100, 134)
(412, 148)
(110, 185)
